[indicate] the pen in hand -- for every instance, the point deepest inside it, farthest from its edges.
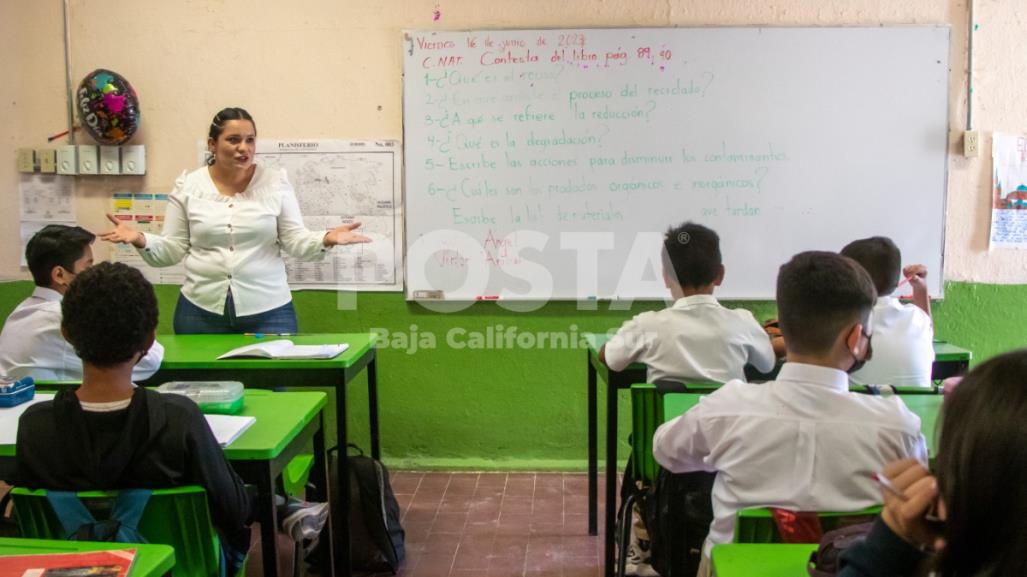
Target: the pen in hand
(930, 517)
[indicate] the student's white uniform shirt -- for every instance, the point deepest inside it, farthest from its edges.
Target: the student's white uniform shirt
(233, 242)
(802, 442)
(695, 339)
(31, 343)
(903, 344)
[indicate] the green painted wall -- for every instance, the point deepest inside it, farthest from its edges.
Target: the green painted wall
(524, 408)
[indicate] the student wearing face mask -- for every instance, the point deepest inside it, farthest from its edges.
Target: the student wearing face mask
(230, 221)
(802, 442)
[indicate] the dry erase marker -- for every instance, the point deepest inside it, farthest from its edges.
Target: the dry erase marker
(487, 298)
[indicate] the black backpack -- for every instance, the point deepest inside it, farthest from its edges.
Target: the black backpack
(376, 537)
(678, 511)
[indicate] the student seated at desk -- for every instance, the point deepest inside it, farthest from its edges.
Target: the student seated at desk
(967, 518)
(31, 343)
(110, 434)
(903, 332)
(802, 442)
(695, 339)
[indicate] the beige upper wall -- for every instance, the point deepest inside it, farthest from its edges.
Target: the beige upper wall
(332, 69)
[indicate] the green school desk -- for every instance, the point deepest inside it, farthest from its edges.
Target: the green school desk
(949, 360)
(194, 357)
(150, 560)
(763, 559)
(286, 422)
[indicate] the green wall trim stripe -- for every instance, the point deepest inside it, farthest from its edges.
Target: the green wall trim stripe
(490, 389)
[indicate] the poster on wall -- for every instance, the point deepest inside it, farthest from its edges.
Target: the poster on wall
(1009, 191)
(45, 199)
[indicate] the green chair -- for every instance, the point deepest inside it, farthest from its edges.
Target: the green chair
(756, 525)
(178, 517)
(647, 414)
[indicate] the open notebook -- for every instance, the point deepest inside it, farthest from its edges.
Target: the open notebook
(227, 428)
(285, 349)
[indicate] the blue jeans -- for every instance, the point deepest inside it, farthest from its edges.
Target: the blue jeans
(191, 319)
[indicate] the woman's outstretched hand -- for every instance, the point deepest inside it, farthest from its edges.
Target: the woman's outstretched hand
(344, 235)
(123, 233)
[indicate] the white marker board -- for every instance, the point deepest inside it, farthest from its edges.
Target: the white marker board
(546, 164)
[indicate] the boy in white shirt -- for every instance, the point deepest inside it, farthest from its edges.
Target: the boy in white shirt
(802, 442)
(695, 339)
(31, 343)
(903, 332)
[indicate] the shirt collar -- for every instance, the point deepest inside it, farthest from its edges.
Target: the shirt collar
(888, 301)
(685, 302)
(833, 379)
(47, 294)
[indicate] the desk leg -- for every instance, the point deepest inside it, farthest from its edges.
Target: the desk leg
(593, 450)
(611, 476)
(342, 543)
(319, 476)
(268, 517)
(372, 402)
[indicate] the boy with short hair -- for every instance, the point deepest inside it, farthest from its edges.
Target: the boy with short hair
(903, 332)
(110, 434)
(696, 338)
(30, 342)
(801, 442)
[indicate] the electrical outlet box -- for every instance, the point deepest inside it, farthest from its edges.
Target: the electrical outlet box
(971, 143)
(88, 159)
(133, 159)
(110, 160)
(47, 158)
(67, 159)
(26, 160)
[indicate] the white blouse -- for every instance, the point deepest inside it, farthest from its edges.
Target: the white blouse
(233, 242)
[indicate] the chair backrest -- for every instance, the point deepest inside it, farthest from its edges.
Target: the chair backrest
(177, 516)
(756, 525)
(647, 413)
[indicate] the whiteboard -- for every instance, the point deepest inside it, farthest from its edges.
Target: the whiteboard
(547, 164)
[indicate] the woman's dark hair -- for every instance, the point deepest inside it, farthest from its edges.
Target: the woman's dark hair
(981, 468)
(55, 245)
(217, 126)
(109, 312)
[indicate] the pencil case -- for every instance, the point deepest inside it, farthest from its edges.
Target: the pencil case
(14, 393)
(224, 397)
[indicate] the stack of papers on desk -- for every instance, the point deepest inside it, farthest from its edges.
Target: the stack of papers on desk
(227, 428)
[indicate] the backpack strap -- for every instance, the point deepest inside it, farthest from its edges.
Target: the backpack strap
(78, 523)
(70, 511)
(128, 511)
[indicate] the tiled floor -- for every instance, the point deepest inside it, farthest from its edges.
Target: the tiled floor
(496, 525)
(490, 525)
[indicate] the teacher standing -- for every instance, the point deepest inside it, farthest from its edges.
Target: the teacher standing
(230, 220)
